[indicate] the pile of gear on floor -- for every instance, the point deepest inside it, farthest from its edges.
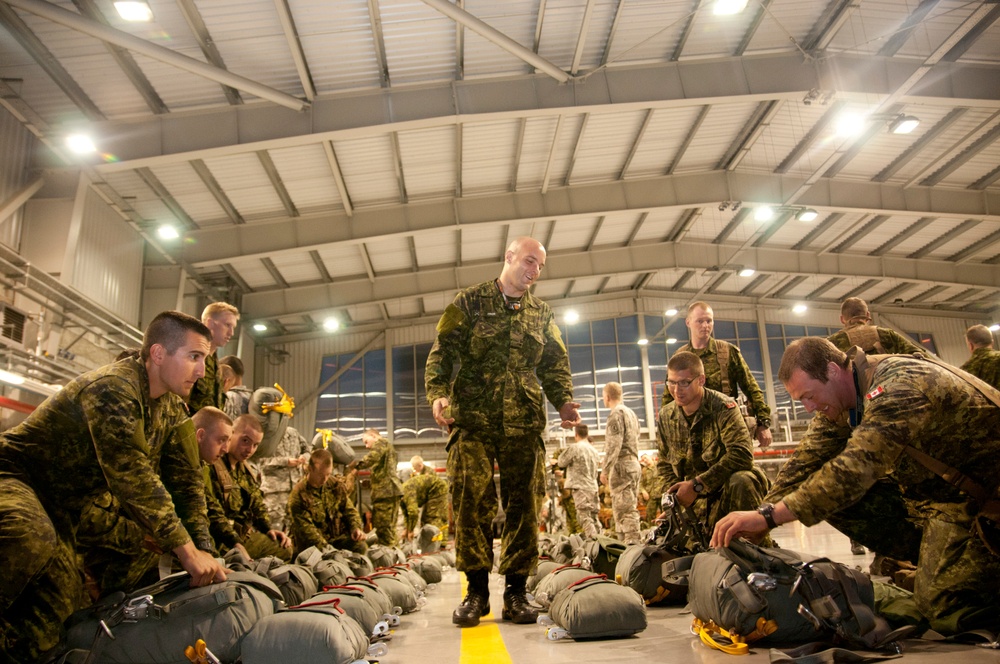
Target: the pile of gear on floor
(329, 605)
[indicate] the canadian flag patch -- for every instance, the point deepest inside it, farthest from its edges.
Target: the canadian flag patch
(874, 393)
(730, 404)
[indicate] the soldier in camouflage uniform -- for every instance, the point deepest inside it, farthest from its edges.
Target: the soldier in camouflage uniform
(722, 375)
(321, 510)
(567, 503)
(858, 331)
(221, 318)
(281, 472)
(705, 451)
(238, 491)
(621, 463)
(237, 397)
(984, 362)
(385, 485)
(892, 409)
(431, 493)
(506, 342)
(649, 488)
(420, 468)
(580, 461)
(113, 429)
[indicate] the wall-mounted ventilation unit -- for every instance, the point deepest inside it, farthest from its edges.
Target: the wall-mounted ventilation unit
(12, 325)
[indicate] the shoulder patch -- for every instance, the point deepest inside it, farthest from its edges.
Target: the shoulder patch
(874, 393)
(450, 319)
(730, 404)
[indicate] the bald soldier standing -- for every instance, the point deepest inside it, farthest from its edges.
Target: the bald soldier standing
(895, 417)
(858, 331)
(221, 318)
(507, 342)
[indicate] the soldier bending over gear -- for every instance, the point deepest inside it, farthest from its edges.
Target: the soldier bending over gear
(385, 485)
(321, 510)
(430, 493)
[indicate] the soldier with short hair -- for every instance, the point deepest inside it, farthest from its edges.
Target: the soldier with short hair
(509, 350)
(221, 318)
(421, 468)
(430, 493)
(705, 451)
(237, 397)
(321, 510)
(725, 368)
(984, 362)
(910, 421)
(858, 331)
(385, 485)
(581, 461)
(621, 463)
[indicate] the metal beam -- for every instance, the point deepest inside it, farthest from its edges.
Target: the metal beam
(759, 12)
(19, 198)
(905, 234)
(788, 286)
(822, 227)
(125, 40)
(205, 173)
(546, 176)
(866, 228)
(896, 41)
(685, 32)
(375, 18)
(926, 139)
(868, 284)
(611, 32)
(751, 131)
(756, 283)
(320, 266)
(891, 294)
(279, 185)
(827, 285)
(207, 44)
(397, 163)
(338, 178)
(581, 40)
(963, 44)
(274, 272)
(576, 149)
(964, 156)
(820, 128)
(635, 144)
(460, 46)
(593, 236)
(941, 240)
(522, 125)
(672, 193)
(686, 143)
(829, 24)
(927, 294)
(161, 191)
(636, 228)
(295, 47)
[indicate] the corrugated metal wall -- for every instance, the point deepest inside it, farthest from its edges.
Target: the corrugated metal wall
(108, 260)
(15, 157)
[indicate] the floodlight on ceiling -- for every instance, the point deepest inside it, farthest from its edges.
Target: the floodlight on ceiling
(807, 214)
(763, 213)
(331, 324)
(850, 124)
(81, 144)
(728, 7)
(671, 340)
(643, 342)
(259, 327)
(670, 312)
(800, 309)
(138, 12)
(11, 378)
(571, 317)
(747, 272)
(904, 124)
(167, 232)
(994, 327)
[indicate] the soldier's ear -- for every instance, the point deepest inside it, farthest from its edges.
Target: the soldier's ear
(157, 352)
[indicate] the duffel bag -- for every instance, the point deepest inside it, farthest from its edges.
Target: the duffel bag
(411, 575)
(428, 568)
(339, 448)
(311, 633)
(359, 563)
(545, 568)
(379, 598)
(659, 575)
(381, 556)
(297, 583)
(596, 608)
(155, 624)
(429, 538)
(557, 580)
(601, 554)
(353, 601)
(328, 571)
(399, 589)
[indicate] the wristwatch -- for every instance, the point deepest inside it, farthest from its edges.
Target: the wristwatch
(697, 485)
(767, 511)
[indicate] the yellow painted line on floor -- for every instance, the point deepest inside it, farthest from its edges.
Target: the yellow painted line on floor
(483, 644)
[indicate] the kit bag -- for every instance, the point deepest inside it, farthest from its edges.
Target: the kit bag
(429, 568)
(359, 563)
(557, 580)
(417, 581)
(381, 556)
(398, 588)
(379, 598)
(155, 624)
(339, 448)
(601, 555)
(311, 633)
(297, 583)
(354, 602)
(545, 568)
(779, 596)
(328, 571)
(596, 608)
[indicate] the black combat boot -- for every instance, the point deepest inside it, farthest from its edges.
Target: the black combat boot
(477, 599)
(515, 602)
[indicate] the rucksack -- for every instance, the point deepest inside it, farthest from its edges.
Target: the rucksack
(273, 408)
(601, 554)
(379, 598)
(381, 556)
(757, 593)
(362, 608)
(319, 632)
(417, 581)
(339, 448)
(328, 571)
(297, 583)
(155, 624)
(557, 580)
(399, 589)
(429, 569)
(596, 608)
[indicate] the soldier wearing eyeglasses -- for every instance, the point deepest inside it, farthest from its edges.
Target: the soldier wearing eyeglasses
(706, 455)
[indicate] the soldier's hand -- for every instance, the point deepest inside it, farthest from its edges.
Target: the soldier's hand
(738, 524)
(242, 549)
(437, 409)
(281, 538)
(203, 568)
(684, 492)
(570, 414)
(603, 479)
(357, 535)
(764, 437)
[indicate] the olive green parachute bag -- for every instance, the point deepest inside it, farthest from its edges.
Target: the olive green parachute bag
(595, 608)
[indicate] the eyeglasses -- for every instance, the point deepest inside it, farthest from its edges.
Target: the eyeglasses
(680, 383)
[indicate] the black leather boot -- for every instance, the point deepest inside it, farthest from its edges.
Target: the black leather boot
(477, 600)
(515, 602)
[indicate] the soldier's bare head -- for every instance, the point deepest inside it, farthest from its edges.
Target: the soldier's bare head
(417, 463)
(173, 351)
(320, 467)
(234, 363)
(686, 361)
(700, 321)
(818, 374)
(979, 336)
(170, 329)
(221, 318)
(213, 429)
(246, 437)
(370, 437)
(686, 380)
(854, 310)
(813, 355)
(522, 265)
(612, 394)
(581, 432)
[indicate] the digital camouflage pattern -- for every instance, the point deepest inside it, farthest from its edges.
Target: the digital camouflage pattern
(385, 489)
(622, 469)
(873, 339)
(714, 446)
(905, 400)
(279, 478)
(323, 515)
(208, 390)
(223, 533)
(569, 506)
(431, 493)
(739, 377)
(581, 461)
(102, 432)
(505, 360)
(649, 482)
(984, 364)
(587, 509)
(243, 505)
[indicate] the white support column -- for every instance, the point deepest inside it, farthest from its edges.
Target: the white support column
(765, 356)
(647, 383)
(390, 388)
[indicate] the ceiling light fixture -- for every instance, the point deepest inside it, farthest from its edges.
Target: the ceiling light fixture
(331, 324)
(643, 342)
(670, 312)
(134, 11)
(800, 309)
(81, 144)
(11, 378)
(807, 214)
(763, 213)
(903, 124)
(728, 7)
(672, 340)
(571, 317)
(994, 327)
(850, 124)
(167, 232)
(747, 272)
(259, 327)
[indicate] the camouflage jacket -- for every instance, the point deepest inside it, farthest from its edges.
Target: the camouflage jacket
(381, 458)
(872, 339)
(279, 477)
(503, 354)
(208, 390)
(713, 446)
(621, 441)
(901, 400)
(739, 376)
(321, 514)
(580, 461)
(104, 432)
(650, 481)
(985, 364)
(419, 490)
(237, 401)
(239, 495)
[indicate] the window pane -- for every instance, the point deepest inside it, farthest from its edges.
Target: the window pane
(747, 330)
(577, 333)
(725, 329)
(795, 331)
(604, 331)
(628, 329)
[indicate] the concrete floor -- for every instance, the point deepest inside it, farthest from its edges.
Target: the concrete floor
(428, 637)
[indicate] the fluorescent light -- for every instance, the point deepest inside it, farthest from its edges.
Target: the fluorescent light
(671, 312)
(571, 317)
(807, 214)
(11, 378)
(331, 324)
(904, 124)
(672, 340)
(643, 342)
(763, 213)
(81, 144)
(747, 272)
(259, 327)
(727, 7)
(167, 232)
(800, 309)
(134, 11)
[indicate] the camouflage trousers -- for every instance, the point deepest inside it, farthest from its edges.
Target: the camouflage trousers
(745, 490)
(435, 513)
(572, 520)
(624, 485)
(883, 522)
(260, 545)
(587, 508)
(277, 509)
(41, 584)
(385, 513)
(471, 459)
